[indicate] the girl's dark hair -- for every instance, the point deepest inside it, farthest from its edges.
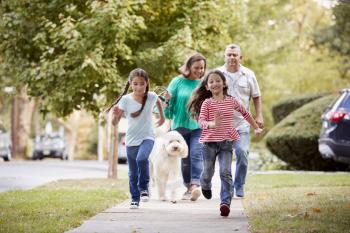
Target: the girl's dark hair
(138, 72)
(201, 93)
(185, 69)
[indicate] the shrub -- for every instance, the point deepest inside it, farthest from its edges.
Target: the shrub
(284, 107)
(295, 139)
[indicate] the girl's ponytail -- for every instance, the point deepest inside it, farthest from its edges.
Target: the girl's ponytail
(126, 88)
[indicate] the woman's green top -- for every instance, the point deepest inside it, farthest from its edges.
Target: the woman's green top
(181, 90)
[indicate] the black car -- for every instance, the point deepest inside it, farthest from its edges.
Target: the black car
(334, 139)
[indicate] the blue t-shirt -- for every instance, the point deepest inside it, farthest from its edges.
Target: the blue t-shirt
(139, 128)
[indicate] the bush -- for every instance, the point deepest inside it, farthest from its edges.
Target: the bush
(295, 139)
(284, 107)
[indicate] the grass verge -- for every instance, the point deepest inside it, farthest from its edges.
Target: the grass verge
(58, 206)
(302, 202)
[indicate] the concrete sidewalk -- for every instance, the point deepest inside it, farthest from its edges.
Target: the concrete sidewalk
(201, 216)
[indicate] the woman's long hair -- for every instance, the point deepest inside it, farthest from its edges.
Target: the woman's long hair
(201, 93)
(138, 72)
(185, 69)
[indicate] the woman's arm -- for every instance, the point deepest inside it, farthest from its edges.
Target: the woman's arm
(170, 96)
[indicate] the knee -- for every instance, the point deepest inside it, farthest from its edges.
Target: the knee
(242, 154)
(225, 174)
(142, 160)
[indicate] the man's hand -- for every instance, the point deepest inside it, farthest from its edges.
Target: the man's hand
(259, 121)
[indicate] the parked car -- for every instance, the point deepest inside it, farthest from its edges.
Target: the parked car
(122, 149)
(5, 144)
(51, 145)
(334, 139)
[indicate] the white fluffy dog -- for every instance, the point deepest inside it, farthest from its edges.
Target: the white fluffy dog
(165, 159)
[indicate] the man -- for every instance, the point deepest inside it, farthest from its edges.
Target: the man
(242, 84)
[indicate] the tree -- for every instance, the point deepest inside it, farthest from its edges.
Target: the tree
(337, 36)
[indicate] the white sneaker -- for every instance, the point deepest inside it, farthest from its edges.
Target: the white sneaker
(134, 205)
(144, 196)
(196, 192)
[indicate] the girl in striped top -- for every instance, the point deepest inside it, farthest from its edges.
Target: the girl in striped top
(214, 108)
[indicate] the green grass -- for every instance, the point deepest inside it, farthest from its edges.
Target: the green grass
(305, 202)
(58, 206)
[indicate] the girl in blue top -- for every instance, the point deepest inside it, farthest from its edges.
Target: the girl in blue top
(137, 108)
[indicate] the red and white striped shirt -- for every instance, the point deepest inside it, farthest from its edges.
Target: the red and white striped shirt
(225, 131)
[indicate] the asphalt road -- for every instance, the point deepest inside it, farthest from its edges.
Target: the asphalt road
(29, 174)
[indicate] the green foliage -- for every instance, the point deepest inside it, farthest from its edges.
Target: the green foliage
(295, 139)
(337, 36)
(283, 108)
(77, 54)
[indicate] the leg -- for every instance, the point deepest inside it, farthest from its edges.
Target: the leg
(143, 164)
(186, 165)
(131, 153)
(209, 157)
(242, 152)
(196, 157)
(225, 161)
(161, 188)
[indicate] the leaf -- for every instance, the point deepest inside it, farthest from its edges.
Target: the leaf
(316, 210)
(306, 215)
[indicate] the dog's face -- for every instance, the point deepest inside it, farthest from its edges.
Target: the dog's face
(175, 145)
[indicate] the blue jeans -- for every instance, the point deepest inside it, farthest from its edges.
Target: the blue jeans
(242, 152)
(192, 166)
(139, 167)
(222, 150)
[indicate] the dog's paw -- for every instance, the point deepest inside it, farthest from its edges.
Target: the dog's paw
(173, 201)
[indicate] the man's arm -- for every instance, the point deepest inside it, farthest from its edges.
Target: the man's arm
(258, 109)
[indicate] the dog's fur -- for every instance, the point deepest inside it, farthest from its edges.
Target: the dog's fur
(165, 159)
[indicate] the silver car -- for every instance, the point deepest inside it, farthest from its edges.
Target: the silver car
(5, 145)
(50, 145)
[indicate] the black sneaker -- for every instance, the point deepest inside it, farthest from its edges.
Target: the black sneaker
(224, 209)
(206, 193)
(144, 195)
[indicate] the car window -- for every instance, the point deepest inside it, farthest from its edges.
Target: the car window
(346, 103)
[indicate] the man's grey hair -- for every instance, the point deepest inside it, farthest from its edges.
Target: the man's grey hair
(233, 46)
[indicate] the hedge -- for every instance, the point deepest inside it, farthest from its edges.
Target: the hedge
(295, 139)
(284, 107)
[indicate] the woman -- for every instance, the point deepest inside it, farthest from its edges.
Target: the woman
(178, 94)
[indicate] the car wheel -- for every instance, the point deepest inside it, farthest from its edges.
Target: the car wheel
(6, 158)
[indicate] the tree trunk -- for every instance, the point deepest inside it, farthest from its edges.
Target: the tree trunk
(21, 117)
(112, 131)
(100, 140)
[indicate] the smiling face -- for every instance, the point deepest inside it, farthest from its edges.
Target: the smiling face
(138, 85)
(215, 85)
(197, 69)
(233, 59)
